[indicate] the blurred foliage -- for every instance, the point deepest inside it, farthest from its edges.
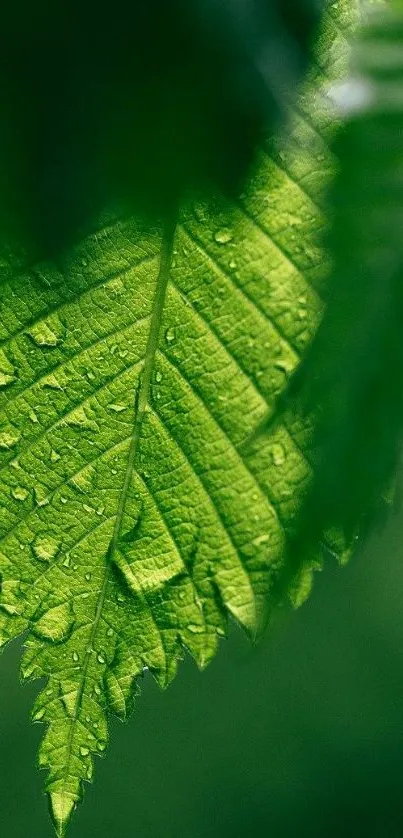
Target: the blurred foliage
(349, 381)
(136, 104)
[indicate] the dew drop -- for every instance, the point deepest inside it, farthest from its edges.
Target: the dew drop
(8, 438)
(195, 629)
(79, 419)
(84, 752)
(101, 744)
(88, 576)
(43, 336)
(223, 236)
(109, 632)
(278, 454)
(75, 657)
(45, 548)
(170, 334)
(54, 456)
(52, 383)
(261, 539)
(117, 408)
(158, 377)
(7, 371)
(20, 493)
(100, 658)
(41, 498)
(56, 624)
(38, 715)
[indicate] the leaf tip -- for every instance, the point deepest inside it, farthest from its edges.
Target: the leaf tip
(61, 806)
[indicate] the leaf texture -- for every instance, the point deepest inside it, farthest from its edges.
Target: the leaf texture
(131, 373)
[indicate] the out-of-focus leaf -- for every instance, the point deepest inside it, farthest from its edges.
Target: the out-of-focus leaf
(351, 379)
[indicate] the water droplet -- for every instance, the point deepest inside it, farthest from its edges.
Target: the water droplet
(100, 510)
(170, 334)
(41, 498)
(75, 657)
(158, 377)
(67, 561)
(43, 336)
(8, 438)
(195, 629)
(20, 493)
(54, 456)
(88, 576)
(223, 236)
(261, 539)
(117, 408)
(84, 751)
(97, 690)
(52, 383)
(109, 632)
(100, 658)
(45, 548)
(278, 454)
(7, 371)
(101, 744)
(56, 624)
(79, 419)
(5, 379)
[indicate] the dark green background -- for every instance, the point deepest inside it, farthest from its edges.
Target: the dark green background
(302, 735)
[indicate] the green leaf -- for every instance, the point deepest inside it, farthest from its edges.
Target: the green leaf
(354, 367)
(134, 370)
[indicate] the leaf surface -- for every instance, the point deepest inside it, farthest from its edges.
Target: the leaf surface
(131, 372)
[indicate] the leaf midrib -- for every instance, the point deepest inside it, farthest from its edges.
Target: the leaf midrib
(141, 402)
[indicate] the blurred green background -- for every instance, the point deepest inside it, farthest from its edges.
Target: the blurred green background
(302, 735)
